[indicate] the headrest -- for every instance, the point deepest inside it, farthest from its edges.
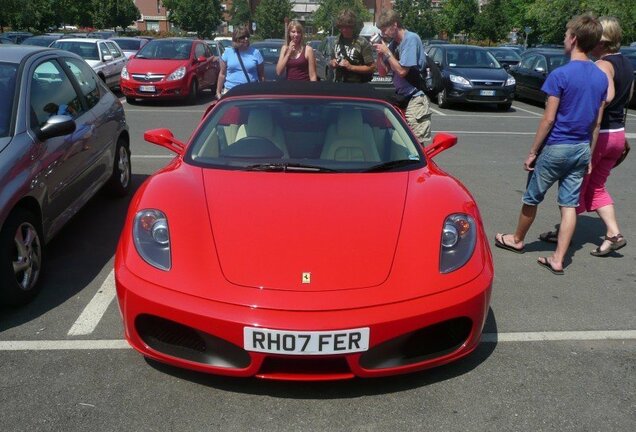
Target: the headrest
(349, 123)
(231, 116)
(259, 123)
(376, 118)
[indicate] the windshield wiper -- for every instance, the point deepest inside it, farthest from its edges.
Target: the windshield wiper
(388, 166)
(297, 167)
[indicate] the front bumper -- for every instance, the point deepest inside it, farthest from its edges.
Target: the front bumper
(480, 94)
(207, 336)
(162, 89)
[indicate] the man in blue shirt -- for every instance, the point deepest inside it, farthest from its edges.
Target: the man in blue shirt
(411, 59)
(561, 148)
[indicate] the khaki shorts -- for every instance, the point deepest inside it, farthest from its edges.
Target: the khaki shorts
(418, 116)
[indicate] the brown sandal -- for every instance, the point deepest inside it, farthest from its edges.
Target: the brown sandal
(616, 242)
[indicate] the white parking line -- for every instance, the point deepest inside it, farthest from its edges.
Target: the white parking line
(437, 112)
(559, 336)
(96, 308)
(555, 336)
(56, 345)
(528, 111)
(487, 132)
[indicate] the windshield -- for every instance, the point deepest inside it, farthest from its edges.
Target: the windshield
(166, 50)
(86, 50)
(127, 44)
(461, 57)
(557, 60)
(306, 135)
(7, 91)
(505, 54)
(270, 53)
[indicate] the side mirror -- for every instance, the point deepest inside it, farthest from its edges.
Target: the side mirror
(441, 142)
(201, 59)
(165, 138)
(108, 58)
(55, 126)
(539, 69)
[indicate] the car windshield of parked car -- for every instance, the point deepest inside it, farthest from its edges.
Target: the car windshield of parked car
(461, 57)
(505, 54)
(86, 50)
(269, 52)
(39, 41)
(557, 60)
(7, 90)
(310, 134)
(128, 44)
(166, 50)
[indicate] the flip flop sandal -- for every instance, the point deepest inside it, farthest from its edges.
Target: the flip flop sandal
(549, 237)
(503, 245)
(616, 242)
(547, 264)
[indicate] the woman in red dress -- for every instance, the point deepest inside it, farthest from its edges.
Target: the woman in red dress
(296, 58)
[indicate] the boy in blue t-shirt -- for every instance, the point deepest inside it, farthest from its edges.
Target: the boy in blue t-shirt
(561, 148)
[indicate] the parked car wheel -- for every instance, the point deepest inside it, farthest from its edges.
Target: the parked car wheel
(194, 91)
(119, 183)
(504, 106)
(442, 102)
(21, 258)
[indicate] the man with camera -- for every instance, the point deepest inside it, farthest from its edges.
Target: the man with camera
(352, 56)
(406, 61)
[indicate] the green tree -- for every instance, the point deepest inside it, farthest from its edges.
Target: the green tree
(114, 13)
(458, 16)
(200, 16)
(325, 15)
(31, 15)
(270, 17)
(7, 13)
(492, 23)
(240, 12)
(418, 16)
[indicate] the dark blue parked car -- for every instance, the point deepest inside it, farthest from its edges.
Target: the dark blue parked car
(472, 75)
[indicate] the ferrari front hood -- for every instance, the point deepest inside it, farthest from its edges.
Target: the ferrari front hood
(305, 232)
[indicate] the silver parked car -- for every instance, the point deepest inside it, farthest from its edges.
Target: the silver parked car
(104, 56)
(63, 136)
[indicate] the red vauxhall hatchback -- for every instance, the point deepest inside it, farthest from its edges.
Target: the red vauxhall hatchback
(169, 69)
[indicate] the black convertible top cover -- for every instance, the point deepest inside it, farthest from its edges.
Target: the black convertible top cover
(306, 88)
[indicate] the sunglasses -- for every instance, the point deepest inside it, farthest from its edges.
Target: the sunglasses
(243, 38)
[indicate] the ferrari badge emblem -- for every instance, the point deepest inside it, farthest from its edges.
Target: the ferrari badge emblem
(306, 277)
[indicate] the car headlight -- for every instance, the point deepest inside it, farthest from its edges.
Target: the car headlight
(511, 80)
(152, 238)
(124, 73)
(459, 236)
(460, 80)
(178, 74)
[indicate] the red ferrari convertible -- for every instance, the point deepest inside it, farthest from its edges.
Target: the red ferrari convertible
(303, 234)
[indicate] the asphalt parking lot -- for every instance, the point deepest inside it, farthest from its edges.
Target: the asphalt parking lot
(558, 353)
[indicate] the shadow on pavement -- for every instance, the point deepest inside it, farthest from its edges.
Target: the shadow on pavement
(76, 255)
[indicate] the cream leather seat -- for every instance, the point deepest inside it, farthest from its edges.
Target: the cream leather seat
(350, 139)
(261, 124)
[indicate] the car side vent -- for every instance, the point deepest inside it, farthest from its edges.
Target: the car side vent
(154, 329)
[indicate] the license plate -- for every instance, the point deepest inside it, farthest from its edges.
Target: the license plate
(147, 88)
(487, 93)
(382, 79)
(306, 343)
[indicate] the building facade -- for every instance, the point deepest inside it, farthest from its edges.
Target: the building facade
(153, 16)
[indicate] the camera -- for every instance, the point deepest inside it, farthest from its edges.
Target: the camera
(375, 38)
